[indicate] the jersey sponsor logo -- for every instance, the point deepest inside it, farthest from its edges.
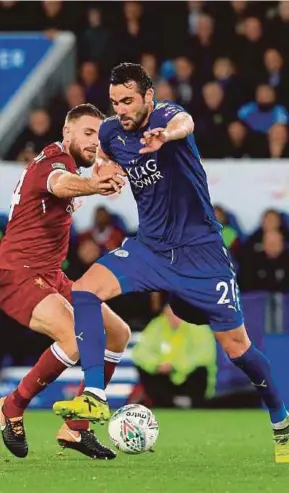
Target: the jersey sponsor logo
(121, 253)
(119, 137)
(41, 283)
(59, 166)
(136, 415)
(144, 175)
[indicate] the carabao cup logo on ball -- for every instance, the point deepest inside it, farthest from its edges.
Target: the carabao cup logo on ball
(133, 429)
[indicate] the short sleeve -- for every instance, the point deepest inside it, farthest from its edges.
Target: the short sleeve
(164, 112)
(245, 111)
(281, 115)
(104, 138)
(49, 166)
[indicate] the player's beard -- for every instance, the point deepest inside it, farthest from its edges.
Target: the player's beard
(138, 120)
(79, 157)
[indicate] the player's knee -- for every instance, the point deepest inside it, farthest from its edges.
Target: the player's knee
(118, 339)
(64, 335)
(100, 281)
(67, 342)
(235, 349)
(234, 342)
(124, 334)
(99, 290)
(80, 285)
(64, 332)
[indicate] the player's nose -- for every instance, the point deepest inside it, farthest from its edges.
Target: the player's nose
(122, 110)
(93, 142)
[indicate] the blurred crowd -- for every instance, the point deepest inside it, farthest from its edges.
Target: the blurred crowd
(261, 258)
(226, 63)
(178, 359)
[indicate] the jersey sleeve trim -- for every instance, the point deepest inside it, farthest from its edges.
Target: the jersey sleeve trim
(165, 111)
(60, 145)
(54, 172)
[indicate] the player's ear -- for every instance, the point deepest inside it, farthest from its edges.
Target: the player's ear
(149, 95)
(66, 132)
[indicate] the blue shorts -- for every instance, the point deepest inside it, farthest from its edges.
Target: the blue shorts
(202, 276)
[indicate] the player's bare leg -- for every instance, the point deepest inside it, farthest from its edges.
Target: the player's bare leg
(53, 316)
(50, 365)
(96, 285)
(251, 361)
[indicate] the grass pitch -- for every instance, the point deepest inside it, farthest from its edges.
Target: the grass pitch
(197, 451)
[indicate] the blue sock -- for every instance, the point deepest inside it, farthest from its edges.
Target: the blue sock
(257, 367)
(90, 337)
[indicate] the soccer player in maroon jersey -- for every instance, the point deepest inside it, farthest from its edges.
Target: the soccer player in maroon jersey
(34, 290)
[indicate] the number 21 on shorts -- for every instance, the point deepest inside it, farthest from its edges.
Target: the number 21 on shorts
(226, 293)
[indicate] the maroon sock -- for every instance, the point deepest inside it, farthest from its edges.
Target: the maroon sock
(78, 424)
(82, 425)
(46, 370)
(109, 369)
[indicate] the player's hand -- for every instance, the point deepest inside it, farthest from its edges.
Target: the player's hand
(107, 184)
(153, 140)
(103, 168)
(165, 368)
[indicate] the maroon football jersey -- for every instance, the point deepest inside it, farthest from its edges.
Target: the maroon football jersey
(37, 234)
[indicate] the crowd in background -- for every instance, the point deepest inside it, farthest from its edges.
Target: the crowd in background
(262, 263)
(226, 63)
(261, 258)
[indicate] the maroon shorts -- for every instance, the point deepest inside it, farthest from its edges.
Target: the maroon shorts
(21, 290)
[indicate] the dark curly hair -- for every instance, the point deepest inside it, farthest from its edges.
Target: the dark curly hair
(126, 72)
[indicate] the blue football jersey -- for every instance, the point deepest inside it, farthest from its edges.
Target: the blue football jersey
(169, 186)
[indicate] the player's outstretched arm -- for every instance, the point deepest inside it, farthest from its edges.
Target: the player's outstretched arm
(178, 127)
(66, 185)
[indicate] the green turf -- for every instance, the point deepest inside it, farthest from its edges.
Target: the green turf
(202, 452)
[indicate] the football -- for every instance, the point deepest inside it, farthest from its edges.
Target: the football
(133, 429)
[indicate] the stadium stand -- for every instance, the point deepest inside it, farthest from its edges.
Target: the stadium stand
(220, 53)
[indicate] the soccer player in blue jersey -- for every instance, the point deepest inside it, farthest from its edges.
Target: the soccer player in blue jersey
(178, 247)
